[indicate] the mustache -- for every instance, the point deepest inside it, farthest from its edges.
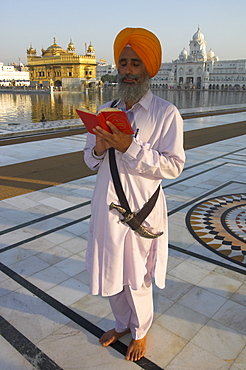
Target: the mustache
(127, 75)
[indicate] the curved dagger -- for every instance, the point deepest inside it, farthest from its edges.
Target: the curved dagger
(141, 230)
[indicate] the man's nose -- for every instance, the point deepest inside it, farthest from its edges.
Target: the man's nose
(128, 68)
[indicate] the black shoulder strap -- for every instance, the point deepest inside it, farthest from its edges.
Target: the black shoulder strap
(137, 220)
(113, 104)
(134, 220)
(116, 180)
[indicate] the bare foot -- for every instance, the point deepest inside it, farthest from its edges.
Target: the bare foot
(136, 349)
(111, 336)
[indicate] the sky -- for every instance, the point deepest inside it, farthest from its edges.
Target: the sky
(34, 22)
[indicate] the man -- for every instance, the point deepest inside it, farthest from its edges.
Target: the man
(121, 262)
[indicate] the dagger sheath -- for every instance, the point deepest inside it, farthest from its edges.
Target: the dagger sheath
(130, 219)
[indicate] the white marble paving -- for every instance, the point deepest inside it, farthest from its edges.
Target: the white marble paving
(211, 121)
(219, 284)
(199, 319)
(193, 357)
(220, 340)
(233, 315)
(239, 363)
(240, 295)
(45, 148)
(202, 301)
(30, 315)
(12, 358)
(80, 350)
(69, 291)
(176, 318)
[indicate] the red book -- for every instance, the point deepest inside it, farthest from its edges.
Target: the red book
(113, 115)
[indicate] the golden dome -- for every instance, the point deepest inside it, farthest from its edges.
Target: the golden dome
(53, 50)
(90, 50)
(31, 51)
(71, 46)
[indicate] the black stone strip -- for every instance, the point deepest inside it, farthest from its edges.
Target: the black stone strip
(207, 259)
(58, 213)
(44, 233)
(236, 160)
(213, 159)
(241, 155)
(195, 175)
(144, 363)
(38, 359)
(170, 213)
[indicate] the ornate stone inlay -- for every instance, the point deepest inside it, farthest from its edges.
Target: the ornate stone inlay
(220, 225)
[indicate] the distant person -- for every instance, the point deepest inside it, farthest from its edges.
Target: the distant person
(121, 261)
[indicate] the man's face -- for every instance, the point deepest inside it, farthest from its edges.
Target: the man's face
(131, 68)
(133, 77)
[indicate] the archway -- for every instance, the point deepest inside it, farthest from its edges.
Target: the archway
(198, 82)
(58, 83)
(189, 81)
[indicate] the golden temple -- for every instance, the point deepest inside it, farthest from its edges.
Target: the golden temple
(61, 68)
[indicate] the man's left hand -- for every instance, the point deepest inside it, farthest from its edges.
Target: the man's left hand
(118, 139)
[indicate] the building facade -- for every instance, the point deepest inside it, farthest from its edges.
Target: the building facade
(199, 69)
(15, 75)
(105, 69)
(62, 68)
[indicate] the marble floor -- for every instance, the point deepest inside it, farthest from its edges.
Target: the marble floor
(50, 321)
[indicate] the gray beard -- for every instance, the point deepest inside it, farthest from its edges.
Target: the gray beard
(132, 93)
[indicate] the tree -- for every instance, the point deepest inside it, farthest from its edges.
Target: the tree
(109, 78)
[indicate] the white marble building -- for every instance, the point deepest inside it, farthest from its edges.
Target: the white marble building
(199, 69)
(13, 75)
(105, 69)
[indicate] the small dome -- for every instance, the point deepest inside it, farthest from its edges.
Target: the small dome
(53, 50)
(90, 50)
(210, 54)
(198, 36)
(71, 46)
(31, 51)
(184, 52)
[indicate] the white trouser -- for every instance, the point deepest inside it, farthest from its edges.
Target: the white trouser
(133, 309)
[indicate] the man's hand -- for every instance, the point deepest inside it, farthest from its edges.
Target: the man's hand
(118, 139)
(101, 145)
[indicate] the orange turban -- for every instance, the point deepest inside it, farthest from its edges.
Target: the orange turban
(144, 43)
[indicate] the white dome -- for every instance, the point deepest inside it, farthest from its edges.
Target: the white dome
(198, 36)
(184, 52)
(210, 54)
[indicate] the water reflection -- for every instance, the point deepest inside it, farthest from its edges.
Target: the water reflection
(26, 108)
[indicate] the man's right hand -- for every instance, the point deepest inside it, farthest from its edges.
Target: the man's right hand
(101, 146)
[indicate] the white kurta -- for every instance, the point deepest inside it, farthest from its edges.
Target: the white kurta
(116, 255)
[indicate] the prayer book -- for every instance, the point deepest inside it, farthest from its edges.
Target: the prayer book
(114, 115)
